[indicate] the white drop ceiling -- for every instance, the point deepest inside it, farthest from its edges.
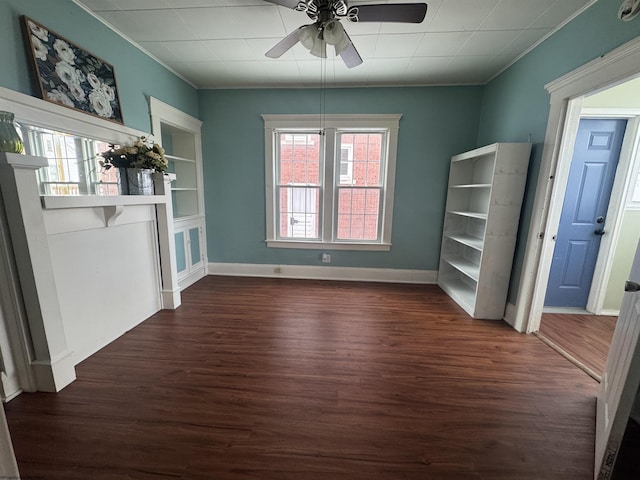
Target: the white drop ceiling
(221, 43)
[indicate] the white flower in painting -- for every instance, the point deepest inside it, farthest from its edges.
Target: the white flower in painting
(108, 92)
(67, 73)
(64, 51)
(93, 80)
(77, 92)
(100, 103)
(40, 50)
(39, 32)
(57, 96)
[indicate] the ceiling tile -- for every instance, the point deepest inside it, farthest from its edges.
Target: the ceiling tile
(425, 70)
(229, 22)
(150, 25)
(440, 44)
(390, 46)
(461, 15)
(180, 51)
(478, 68)
(558, 13)
(488, 43)
(239, 49)
(524, 40)
(221, 43)
(515, 14)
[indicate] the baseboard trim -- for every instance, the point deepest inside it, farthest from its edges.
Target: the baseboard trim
(387, 275)
(55, 374)
(192, 278)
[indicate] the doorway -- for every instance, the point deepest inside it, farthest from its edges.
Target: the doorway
(584, 289)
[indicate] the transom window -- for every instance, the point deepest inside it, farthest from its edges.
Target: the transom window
(330, 186)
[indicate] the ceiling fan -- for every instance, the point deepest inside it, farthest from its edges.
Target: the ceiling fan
(327, 28)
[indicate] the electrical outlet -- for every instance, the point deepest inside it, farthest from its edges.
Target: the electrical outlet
(326, 258)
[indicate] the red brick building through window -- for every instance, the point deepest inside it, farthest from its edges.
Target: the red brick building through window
(358, 172)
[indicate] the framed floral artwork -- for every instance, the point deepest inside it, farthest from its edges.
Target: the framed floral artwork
(71, 76)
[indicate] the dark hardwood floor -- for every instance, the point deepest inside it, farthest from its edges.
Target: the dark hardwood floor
(288, 379)
(585, 337)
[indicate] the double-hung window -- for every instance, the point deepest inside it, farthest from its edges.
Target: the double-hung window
(329, 180)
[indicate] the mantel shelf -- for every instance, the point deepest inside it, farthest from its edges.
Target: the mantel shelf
(52, 202)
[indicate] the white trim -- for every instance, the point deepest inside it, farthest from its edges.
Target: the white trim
(610, 313)
(347, 121)
(379, 247)
(612, 68)
(169, 114)
(324, 273)
(614, 215)
(330, 124)
(38, 112)
(510, 314)
(133, 43)
(610, 112)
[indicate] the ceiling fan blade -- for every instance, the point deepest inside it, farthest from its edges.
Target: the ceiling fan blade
(285, 44)
(350, 55)
(285, 3)
(391, 12)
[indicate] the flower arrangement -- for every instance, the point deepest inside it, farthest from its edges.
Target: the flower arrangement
(144, 153)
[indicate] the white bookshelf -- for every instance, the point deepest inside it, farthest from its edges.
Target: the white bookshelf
(484, 198)
(180, 136)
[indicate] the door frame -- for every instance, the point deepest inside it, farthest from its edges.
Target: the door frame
(617, 202)
(567, 92)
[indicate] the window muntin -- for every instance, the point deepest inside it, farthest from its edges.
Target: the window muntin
(349, 206)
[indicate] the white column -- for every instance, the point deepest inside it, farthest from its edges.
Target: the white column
(52, 363)
(171, 298)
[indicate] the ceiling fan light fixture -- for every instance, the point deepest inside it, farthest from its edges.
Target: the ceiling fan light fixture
(307, 35)
(319, 47)
(334, 35)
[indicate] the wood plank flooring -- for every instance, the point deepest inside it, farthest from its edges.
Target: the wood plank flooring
(586, 337)
(289, 379)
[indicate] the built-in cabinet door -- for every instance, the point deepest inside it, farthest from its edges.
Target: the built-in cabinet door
(181, 253)
(189, 252)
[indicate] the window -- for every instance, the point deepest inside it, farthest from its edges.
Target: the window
(330, 187)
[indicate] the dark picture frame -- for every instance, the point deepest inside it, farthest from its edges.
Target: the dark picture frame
(70, 76)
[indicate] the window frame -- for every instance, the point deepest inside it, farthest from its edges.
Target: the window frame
(331, 126)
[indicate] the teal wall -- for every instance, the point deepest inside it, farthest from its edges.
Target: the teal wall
(437, 122)
(137, 75)
(515, 105)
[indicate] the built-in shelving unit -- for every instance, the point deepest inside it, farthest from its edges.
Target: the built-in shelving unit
(180, 136)
(484, 198)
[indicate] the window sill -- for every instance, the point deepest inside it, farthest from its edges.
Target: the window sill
(377, 247)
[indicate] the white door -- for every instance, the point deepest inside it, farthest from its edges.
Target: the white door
(621, 378)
